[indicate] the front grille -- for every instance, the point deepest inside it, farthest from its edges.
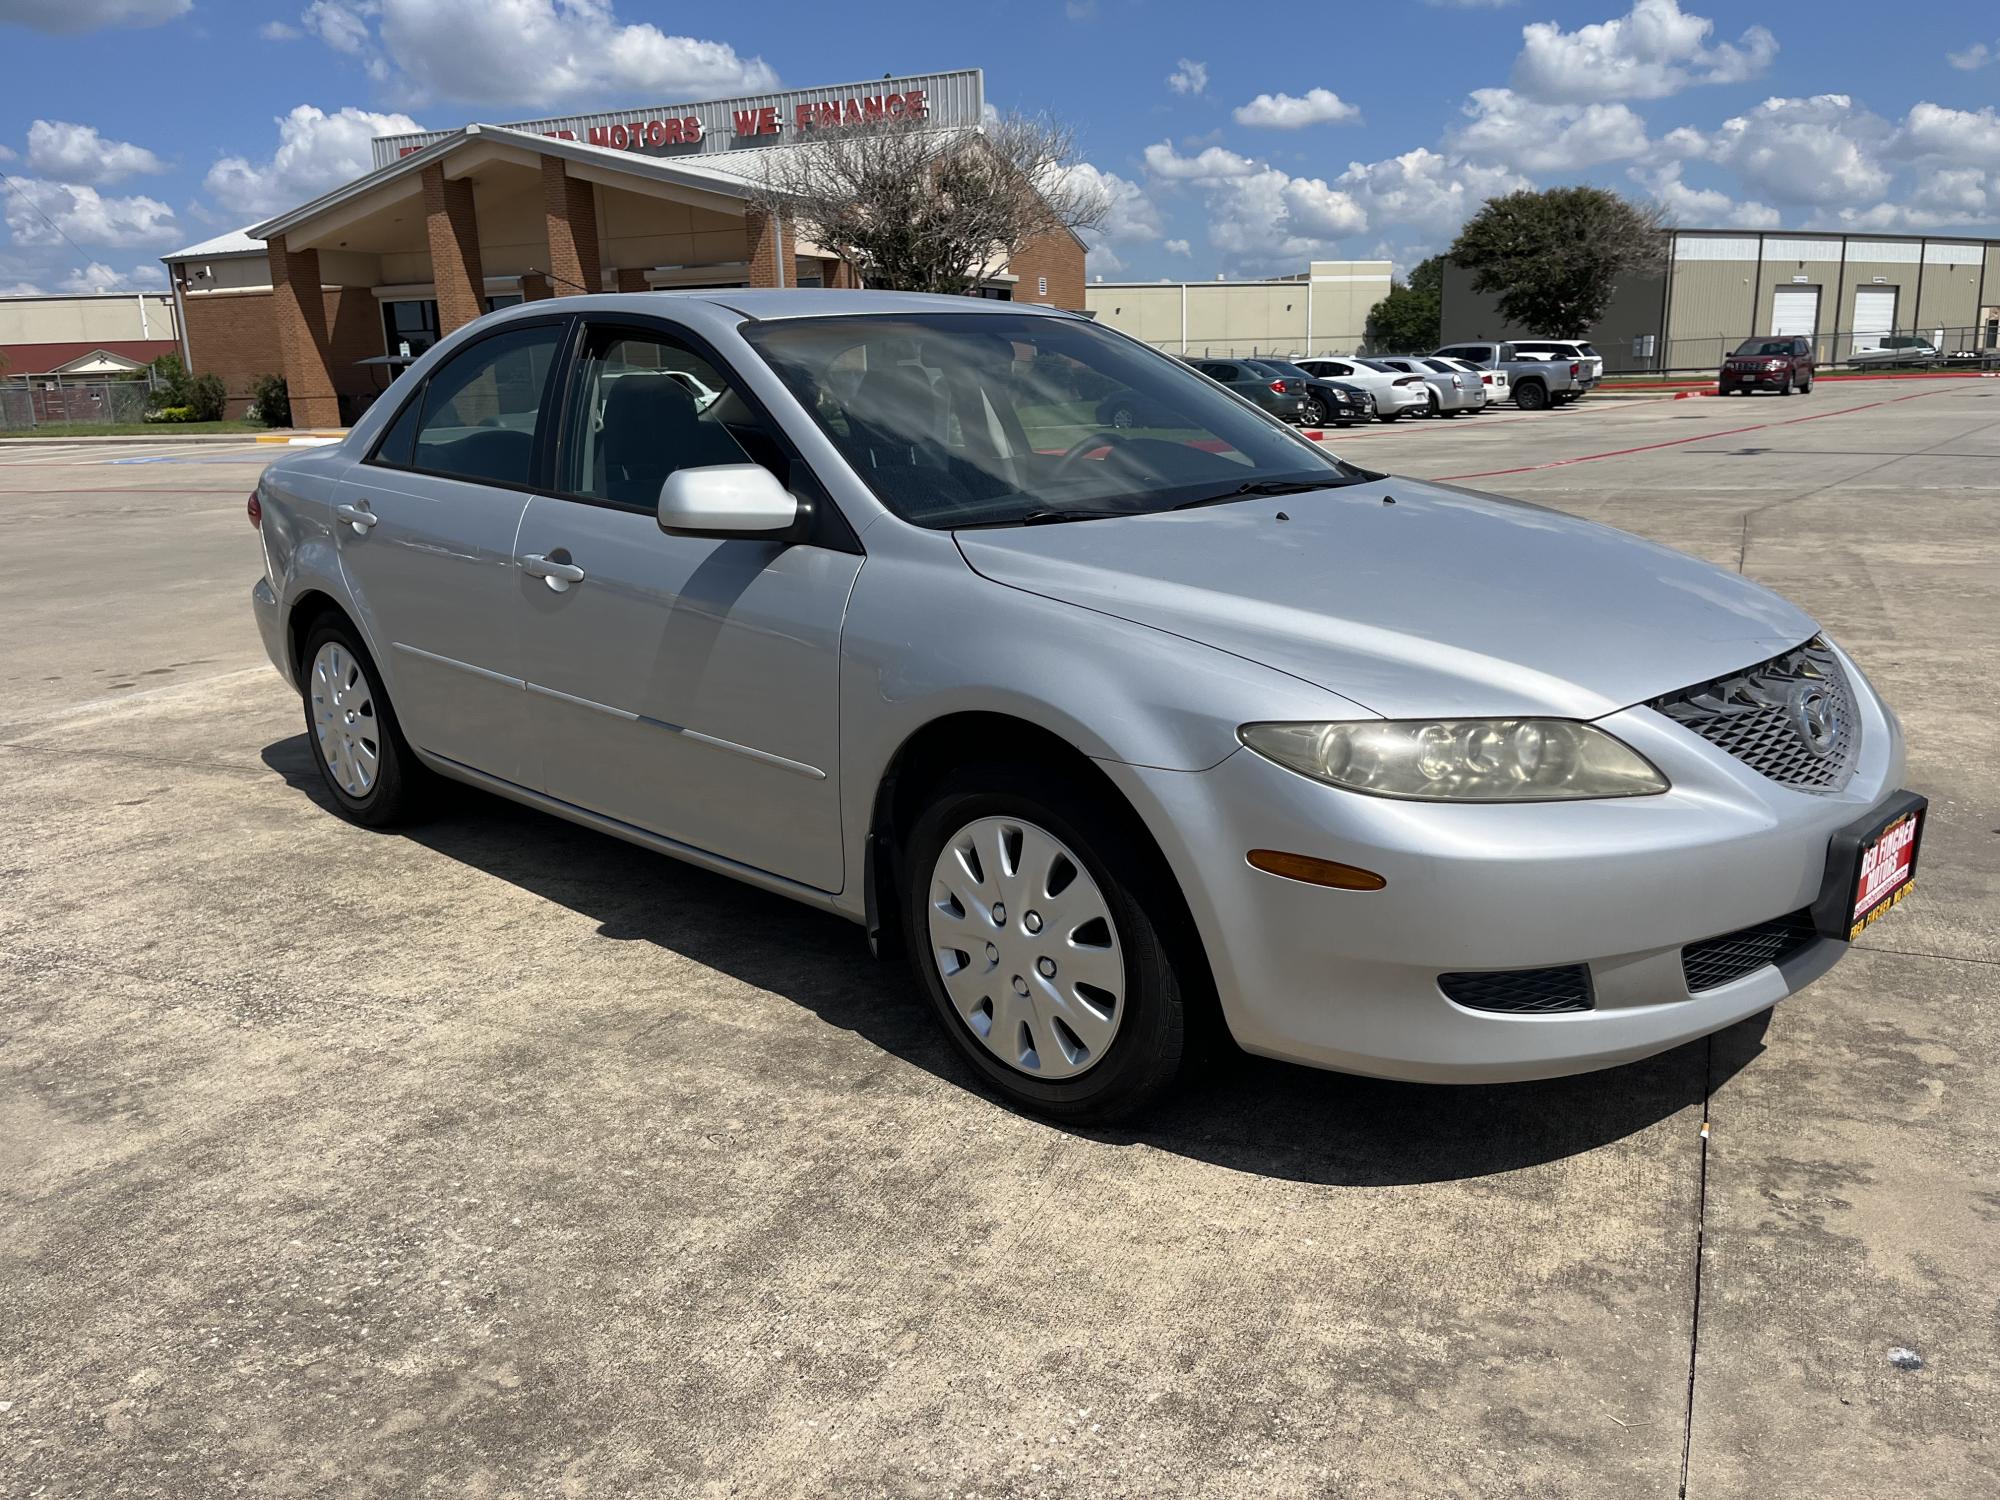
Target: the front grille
(1717, 961)
(1521, 990)
(1791, 718)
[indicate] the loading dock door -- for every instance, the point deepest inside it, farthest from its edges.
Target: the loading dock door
(1795, 312)
(1874, 316)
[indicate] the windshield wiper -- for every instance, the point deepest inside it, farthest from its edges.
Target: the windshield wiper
(1269, 487)
(1047, 516)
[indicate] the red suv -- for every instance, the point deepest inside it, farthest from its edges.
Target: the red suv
(1783, 365)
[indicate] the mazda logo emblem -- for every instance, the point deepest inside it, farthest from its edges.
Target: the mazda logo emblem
(1816, 716)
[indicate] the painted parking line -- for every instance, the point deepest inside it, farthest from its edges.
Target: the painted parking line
(1700, 437)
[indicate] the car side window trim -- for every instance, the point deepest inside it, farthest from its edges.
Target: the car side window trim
(544, 447)
(830, 528)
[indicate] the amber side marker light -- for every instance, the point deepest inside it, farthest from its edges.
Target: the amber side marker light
(1312, 871)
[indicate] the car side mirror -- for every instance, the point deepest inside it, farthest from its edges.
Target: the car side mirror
(740, 501)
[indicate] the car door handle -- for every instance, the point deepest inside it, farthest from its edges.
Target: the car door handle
(360, 517)
(560, 575)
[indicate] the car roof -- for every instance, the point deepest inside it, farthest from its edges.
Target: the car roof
(765, 304)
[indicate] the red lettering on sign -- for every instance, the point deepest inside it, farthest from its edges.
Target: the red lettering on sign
(871, 109)
(746, 121)
(895, 106)
(619, 138)
(656, 132)
(919, 105)
(690, 130)
(600, 135)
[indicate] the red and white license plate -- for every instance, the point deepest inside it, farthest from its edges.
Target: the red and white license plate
(1886, 872)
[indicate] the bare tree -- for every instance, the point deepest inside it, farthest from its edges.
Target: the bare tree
(915, 208)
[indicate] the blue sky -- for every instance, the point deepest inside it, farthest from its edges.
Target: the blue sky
(1230, 139)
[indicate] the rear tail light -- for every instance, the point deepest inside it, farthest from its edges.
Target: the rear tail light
(1409, 380)
(1575, 368)
(1278, 386)
(1486, 380)
(255, 509)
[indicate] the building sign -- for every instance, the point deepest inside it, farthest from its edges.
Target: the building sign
(943, 99)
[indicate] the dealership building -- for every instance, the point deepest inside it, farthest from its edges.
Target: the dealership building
(451, 224)
(1847, 292)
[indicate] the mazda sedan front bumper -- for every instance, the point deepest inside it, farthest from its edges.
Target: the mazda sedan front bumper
(1351, 979)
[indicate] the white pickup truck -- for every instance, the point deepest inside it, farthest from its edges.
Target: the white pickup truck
(1537, 383)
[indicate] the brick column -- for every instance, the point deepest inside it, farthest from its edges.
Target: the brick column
(454, 237)
(535, 287)
(632, 279)
(570, 206)
(303, 340)
(766, 255)
(839, 274)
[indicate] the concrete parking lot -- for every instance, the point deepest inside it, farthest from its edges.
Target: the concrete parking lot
(498, 1158)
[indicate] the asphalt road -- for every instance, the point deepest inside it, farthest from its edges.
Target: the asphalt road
(502, 1159)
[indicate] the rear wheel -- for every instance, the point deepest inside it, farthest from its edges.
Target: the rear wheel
(1531, 395)
(367, 765)
(1035, 934)
(1805, 386)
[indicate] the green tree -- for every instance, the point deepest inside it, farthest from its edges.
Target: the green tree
(1554, 259)
(1407, 320)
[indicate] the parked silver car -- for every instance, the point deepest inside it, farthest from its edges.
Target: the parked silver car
(1099, 724)
(1451, 390)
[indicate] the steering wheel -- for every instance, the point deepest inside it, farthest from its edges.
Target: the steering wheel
(1109, 438)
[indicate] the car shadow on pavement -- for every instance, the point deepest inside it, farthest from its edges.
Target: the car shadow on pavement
(1243, 1113)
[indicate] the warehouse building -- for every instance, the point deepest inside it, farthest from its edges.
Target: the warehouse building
(452, 224)
(1320, 311)
(75, 335)
(1847, 292)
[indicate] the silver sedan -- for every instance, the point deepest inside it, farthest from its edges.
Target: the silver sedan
(1099, 726)
(1451, 391)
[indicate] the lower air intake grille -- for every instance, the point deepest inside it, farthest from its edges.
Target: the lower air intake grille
(1718, 961)
(1521, 990)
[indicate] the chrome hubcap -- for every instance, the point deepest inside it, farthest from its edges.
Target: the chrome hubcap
(343, 708)
(1026, 948)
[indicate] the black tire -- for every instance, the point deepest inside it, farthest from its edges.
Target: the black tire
(1785, 388)
(1144, 1057)
(1531, 395)
(1436, 409)
(1315, 413)
(1123, 415)
(399, 792)
(1805, 386)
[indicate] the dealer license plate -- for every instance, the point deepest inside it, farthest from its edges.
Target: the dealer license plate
(1871, 866)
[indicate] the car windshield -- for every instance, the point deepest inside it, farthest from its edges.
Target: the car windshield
(1766, 347)
(997, 419)
(1289, 371)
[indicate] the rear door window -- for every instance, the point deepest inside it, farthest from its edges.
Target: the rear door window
(482, 408)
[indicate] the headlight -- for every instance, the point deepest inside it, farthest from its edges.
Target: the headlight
(1461, 760)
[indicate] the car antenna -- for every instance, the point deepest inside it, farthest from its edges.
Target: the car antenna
(560, 280)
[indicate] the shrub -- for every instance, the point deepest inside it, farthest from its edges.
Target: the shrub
(208, 397)
(171, 414)
(271, 402)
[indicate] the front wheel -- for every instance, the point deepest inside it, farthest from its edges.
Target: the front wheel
(1035, 932)
(1785, 386)
(1315, 413)
(365, 762)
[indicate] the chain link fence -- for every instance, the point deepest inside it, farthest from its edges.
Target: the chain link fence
(30, 402)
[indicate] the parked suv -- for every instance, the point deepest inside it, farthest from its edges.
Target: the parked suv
(1781, 364)
(1098, 727)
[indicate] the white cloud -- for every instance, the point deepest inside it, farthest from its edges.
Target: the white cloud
(6, 153)
(316, 152)
(1530, 137)
(1101, 259)
(77, 153)
(1178, 247)
(1081, 10)
(1703, 208)
(68, 17)
(1423, 191)
(1953, 135)
(1653, 50)
(535, 52)
(1210, 165)
(1287, 112)
(1978, 55)
(1821, 150)
(98, 277)
(1188, 77)
(54, 213)
(1271, 220)
(1132, 215)
(278, 31)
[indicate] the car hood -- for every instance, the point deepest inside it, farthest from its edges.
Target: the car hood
(1412, 599)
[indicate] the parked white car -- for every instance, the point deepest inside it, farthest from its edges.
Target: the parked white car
(1452, 391)
(1396, 393)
